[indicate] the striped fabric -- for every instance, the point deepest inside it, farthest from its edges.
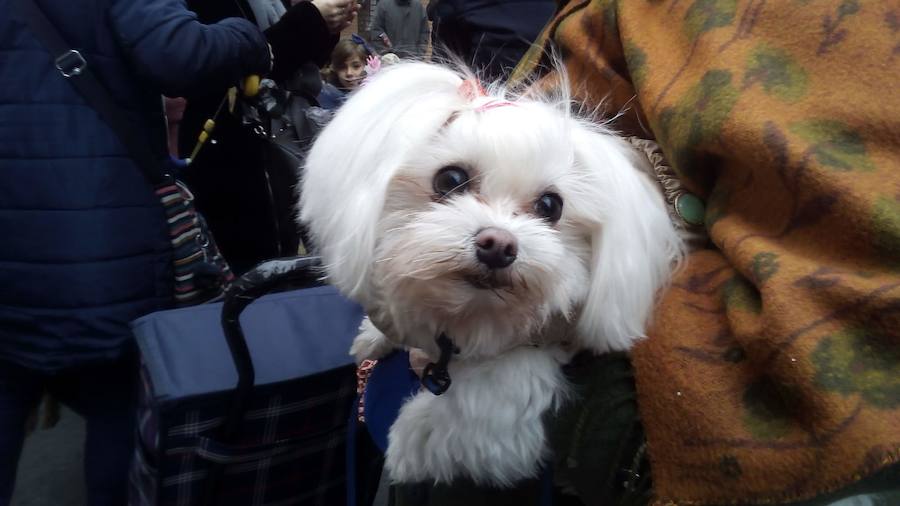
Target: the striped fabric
(291, 449)
(201, 273)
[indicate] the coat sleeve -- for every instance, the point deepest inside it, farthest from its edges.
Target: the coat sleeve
(170, 47)
(300, 36)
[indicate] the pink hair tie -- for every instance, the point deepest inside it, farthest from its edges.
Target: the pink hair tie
(470, 89)
(493, 104)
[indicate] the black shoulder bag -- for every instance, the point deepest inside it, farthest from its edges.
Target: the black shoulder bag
(201, 273)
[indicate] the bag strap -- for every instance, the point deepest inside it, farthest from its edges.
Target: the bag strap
(73, 67)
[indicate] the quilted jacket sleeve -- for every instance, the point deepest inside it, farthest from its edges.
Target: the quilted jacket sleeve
(168, 45)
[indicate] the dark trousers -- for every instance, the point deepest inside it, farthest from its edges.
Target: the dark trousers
(104, 395)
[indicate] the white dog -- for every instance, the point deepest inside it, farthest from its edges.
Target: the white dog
(516, 230)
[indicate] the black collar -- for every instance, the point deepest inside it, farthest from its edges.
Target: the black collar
(436, 377)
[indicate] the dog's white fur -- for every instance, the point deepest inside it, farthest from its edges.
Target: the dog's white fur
(388, 241)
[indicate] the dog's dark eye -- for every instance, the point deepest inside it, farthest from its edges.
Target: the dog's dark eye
(549, 206)
(450, 179)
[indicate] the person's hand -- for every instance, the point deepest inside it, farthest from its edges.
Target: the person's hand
(373, 64)
(338, 14)
(385, 40)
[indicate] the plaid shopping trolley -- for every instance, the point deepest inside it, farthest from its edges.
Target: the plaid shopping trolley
(247, 407)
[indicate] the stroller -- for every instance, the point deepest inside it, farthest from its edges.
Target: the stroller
(248, 401)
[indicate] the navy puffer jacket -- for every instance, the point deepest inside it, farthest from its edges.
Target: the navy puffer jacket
(83, 242)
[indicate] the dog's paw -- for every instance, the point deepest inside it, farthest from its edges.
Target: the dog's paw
(435, 440)
(407, 459)
(370, 344)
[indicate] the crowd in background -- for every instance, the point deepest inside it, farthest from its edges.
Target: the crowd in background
(89, 252)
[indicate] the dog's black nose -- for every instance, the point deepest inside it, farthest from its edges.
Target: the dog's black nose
(496, 248)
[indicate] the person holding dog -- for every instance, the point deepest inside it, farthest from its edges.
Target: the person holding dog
(771, 370)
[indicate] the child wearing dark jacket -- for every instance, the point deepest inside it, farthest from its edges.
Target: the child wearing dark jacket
(344, 74)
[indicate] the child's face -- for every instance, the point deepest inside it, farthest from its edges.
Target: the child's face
(351, 73)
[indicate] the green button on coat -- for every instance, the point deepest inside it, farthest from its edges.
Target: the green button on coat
(690, 208)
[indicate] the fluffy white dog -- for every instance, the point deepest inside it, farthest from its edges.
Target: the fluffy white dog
(519, 232)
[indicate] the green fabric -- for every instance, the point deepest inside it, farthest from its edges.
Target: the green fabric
(596, 437)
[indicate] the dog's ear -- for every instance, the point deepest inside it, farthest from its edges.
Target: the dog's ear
(634, 245)
(353, 160)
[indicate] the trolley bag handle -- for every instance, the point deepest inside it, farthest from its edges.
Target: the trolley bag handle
(267, 277)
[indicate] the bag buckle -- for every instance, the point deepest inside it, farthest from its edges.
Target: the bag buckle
(70, 63)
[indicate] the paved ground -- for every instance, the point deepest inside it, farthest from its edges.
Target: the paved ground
(50, 472)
